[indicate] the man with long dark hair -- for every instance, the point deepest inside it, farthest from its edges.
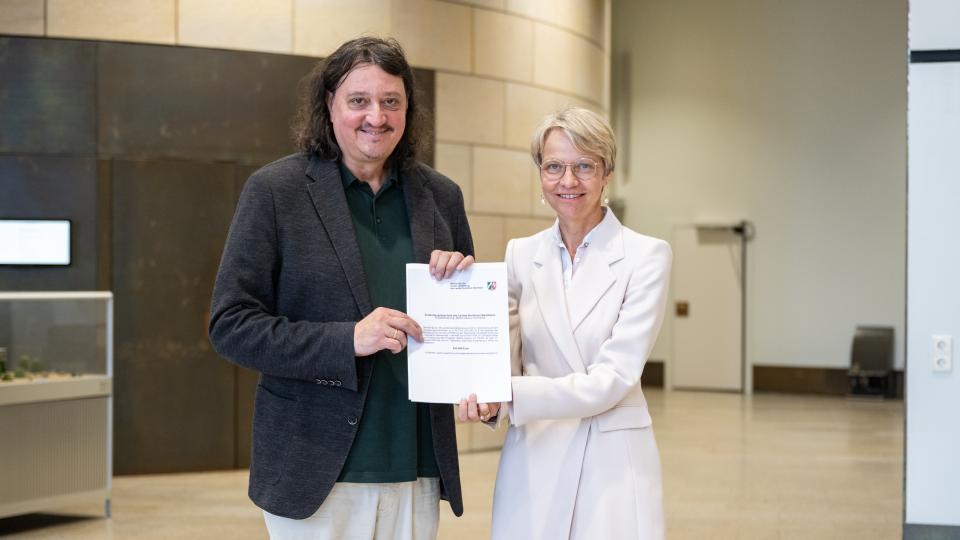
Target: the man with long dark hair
(310, 293)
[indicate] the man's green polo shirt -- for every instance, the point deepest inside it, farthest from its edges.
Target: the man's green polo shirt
(394, 442)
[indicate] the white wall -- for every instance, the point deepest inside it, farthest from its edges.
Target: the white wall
(934, 24)
(791, 115)
(933, 259)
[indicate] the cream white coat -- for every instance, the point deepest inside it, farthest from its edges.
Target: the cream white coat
(579, 460)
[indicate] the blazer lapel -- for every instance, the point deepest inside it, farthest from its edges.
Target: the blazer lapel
(595, 277)
(548, 286)
(328, 197)
(420, 211)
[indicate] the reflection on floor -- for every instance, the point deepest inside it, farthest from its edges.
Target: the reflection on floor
(767, 466)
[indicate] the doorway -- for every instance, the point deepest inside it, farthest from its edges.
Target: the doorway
(708, 308)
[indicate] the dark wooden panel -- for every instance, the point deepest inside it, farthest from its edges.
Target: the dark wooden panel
(914, 531)
(175, 398)
(47, 96)
(40, 524)
(40, 186)
(809, 380)
(652, 376)
(206, 104)
(800, 380)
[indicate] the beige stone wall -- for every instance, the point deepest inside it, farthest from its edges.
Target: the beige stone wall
(501, 65)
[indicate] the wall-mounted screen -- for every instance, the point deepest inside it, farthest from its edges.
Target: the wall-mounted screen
(35, 242)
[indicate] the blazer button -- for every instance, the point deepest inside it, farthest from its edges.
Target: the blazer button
(352, 420)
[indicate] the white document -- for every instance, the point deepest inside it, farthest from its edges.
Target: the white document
(466, 335)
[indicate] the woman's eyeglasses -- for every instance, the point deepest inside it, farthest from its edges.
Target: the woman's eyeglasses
(583, 168)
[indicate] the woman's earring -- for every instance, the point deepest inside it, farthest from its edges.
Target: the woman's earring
(542, 200)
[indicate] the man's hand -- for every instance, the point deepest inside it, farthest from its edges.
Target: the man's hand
(472, 411)
(444, 263)
(384, 328)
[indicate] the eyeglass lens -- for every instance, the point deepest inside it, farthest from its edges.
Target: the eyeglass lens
(584, 169)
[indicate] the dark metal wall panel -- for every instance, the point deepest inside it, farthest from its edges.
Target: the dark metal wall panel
(181, 102)
(164, 139)
(47, 96)
(426, 90)
(104, 225)
(243, 173)
(40, 186)
(246, 380)
(175, 397)
(246, 386)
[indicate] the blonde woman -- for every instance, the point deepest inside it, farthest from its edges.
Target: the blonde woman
(587, 299)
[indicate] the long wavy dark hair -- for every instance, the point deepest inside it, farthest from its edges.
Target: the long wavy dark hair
(312, 128)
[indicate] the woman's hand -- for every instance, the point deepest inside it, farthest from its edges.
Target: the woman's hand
(471, 411)
(444, 263)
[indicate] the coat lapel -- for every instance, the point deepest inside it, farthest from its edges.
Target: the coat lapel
(328, 197)
(595, 277)
(548, 285)
(420, 212)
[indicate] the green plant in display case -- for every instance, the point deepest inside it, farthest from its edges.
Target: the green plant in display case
(29, 364)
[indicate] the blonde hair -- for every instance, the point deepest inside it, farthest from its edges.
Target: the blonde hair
(588, 132)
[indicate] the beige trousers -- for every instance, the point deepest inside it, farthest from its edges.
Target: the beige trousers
(400, 511)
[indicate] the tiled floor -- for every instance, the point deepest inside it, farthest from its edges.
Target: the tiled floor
(767, 466)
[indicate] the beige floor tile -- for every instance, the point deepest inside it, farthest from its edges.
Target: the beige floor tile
(763, 467)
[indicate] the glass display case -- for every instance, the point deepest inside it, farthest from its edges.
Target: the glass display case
(56, 399)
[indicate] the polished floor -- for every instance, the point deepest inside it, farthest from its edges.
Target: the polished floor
(762, 467)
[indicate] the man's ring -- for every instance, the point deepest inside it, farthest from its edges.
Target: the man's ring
(395, 332)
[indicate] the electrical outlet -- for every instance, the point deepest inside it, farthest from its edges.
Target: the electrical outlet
(942, 354)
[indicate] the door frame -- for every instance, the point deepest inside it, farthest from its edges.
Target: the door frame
(745, 231)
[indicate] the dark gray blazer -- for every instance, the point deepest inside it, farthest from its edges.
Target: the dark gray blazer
(289, 291)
